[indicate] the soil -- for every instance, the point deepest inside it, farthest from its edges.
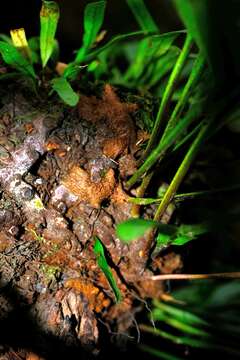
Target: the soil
(62, 182)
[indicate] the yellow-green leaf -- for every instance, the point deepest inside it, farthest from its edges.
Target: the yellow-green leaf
(19, 40)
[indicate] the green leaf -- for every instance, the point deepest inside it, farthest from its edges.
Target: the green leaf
(102, 263)
(142, 15)
(93, 19)
(148, 53)
(134, 228)
(65, 91)
(73, 68)
(158, 353)
(14, 58)
(6, 39)
(49, 16)
(173, 235)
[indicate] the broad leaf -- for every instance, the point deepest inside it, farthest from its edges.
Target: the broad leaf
(93, 19)
(142, 15)
(49, 16)
(65, 91)
(14, 58)
(134, 228)
(102, 263)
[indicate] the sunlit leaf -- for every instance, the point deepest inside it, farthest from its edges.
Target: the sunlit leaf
(134, 228)
(142, 15)
(19, 40)
(14, 58)
(49, 16)
(65, 91)
(92, 22)
(102, 263)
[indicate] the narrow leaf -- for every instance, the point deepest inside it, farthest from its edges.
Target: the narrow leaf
(49, 16)
(134, 228)
(65, 91)
(142, 15)
(14, 58)
(102, 263)
(93, 19)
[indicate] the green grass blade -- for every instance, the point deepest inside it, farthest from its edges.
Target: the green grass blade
(164, 145)
(93, 20)
(182, 170)
(142, 15)
(102, 263)
(134, 228)
(149, 50)
(158, 353)
(191, 82)
(14, 58)
(65, 91)
(49, 17)
(73, 68)
(168, 93)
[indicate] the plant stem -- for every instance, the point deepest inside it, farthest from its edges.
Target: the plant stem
(183, 196)
(225, 275)
(140, 192)
(182, 170)
(164, 145)
(168, 93)
(192, 80)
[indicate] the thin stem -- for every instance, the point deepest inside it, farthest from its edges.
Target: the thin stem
(164, 145)
(168, 93)
(135, 212)
(183, 196)
(192, 80)
(182, 170)
(224, 275)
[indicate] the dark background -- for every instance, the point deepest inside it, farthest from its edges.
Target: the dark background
(118, 19)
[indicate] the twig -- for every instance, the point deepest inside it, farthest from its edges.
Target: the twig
(224, 275)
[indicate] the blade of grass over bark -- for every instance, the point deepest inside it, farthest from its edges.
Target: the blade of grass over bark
(14, 58)
(19, 40)
(65, 91)
(92, 22)
(193, 113)
(191, 82)
(142, 15)
(168, 93)
(182, 170)
(49, 17)
(102, 263)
